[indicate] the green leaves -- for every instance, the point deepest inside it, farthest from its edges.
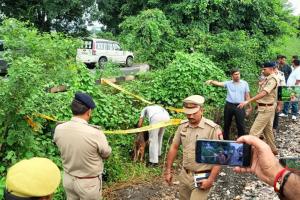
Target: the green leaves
(149, 34)
(185, 76)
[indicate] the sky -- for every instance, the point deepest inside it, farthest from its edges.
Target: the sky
(295, 6)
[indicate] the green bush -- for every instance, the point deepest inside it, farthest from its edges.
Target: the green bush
(151, 37)
(184, 76)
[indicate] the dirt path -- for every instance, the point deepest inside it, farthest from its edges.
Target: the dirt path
(229, 185)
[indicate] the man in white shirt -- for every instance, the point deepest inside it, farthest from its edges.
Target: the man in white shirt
(294, 79)
(295, 57)
(154, 114)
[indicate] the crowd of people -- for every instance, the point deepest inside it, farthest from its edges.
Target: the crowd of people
(83, 148)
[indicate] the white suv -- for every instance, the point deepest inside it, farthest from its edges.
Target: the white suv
(100, 51)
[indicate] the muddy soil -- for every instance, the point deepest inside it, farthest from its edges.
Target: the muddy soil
(229, 185)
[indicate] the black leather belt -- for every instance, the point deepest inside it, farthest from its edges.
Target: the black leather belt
(235, 104)
(87, 177)
(196, 172)
(263, 104)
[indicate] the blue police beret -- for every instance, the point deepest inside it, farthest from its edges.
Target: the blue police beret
(268, 64)
(85, 99)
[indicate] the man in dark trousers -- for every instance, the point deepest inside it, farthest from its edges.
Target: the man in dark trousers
(237, 92)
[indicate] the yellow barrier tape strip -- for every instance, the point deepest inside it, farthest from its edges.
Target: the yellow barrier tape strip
(32, 124)
(136, 96)
(126, 92)
(147, 128)
(136, 130)
(175, 109)
(45, 117)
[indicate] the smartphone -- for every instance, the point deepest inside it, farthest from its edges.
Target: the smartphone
(223, 152)
(290, 162)
(288, 93)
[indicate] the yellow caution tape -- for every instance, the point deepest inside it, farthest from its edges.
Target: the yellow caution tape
(31, 123)
(136, 96)
(125, 91)
(146, 128)
(179, 110)
(45, 117)
(171, 122)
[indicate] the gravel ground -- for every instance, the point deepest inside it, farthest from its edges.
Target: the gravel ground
(229, 184)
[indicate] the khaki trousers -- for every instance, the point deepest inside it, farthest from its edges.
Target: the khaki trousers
(82, 189)
(187, 191)
(263, 125)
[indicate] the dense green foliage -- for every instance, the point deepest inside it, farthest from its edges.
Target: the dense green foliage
(268, 17)
(63, 16)
(186, 42)
(233, 33)
(39, 61)
(184, 76)
(151, 36)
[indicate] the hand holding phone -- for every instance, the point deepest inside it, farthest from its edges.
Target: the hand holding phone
(223, 152)
(264, 164)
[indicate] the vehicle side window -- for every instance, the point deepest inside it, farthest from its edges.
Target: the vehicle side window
(100, 45)
(109, 46)
(87, 44)
(117, 47)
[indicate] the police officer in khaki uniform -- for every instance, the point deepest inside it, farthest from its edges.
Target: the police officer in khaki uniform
(266, 100)
(196, 127)
(82, 149)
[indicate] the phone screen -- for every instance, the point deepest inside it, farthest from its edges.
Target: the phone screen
(223, 152)
(290, 162)
(289, 93)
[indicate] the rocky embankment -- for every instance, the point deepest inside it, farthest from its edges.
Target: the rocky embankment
(229, 184)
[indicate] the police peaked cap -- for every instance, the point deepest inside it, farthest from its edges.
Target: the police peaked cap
(269, 64)
(85, 99)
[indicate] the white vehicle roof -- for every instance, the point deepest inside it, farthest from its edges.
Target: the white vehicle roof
(100, 40)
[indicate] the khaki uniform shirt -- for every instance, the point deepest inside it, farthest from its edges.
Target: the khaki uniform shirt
(269, 85)
(82, 148)
(188, 135)
(280, 77)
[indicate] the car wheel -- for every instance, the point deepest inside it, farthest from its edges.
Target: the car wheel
(129, 61)
(102, 62)
(90, 65)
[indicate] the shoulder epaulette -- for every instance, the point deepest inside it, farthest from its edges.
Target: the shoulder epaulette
(95, 126)
(184, 121)
(210, 123)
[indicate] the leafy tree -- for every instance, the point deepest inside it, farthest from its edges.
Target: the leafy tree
(269, 17)
(236, 49)
(59, 15)
(150, 35)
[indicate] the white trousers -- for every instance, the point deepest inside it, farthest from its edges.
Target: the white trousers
(156, 139)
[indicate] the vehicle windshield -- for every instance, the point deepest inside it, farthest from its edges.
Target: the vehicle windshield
(87, 44)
